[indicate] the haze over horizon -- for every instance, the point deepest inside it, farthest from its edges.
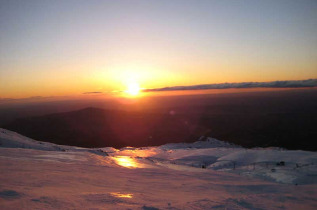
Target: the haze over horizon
(72, 47)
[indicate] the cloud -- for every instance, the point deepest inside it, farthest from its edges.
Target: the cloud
(274, 84)
(96, 92)
(28, 99)
(3, 100)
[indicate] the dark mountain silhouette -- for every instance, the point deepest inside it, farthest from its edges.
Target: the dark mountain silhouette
(283, 119)
(94, 127)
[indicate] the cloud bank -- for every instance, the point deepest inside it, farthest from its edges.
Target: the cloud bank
(95, 92)
(274, 84)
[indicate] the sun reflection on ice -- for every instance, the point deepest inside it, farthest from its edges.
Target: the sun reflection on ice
(137, 152)
(132, 162)
(126, 161)
(121, 195)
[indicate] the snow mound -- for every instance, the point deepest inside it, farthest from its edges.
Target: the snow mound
(10, 139)
(208, 143)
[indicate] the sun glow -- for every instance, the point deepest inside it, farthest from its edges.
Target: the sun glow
(133, 89)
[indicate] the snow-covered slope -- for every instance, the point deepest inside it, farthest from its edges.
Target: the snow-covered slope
(207, 143)
(202, 175)
(10, 139)
(272, 164)
(275, 164)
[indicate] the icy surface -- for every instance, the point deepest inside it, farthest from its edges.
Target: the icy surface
(207, 174)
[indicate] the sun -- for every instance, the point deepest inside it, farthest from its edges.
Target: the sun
(133, 89)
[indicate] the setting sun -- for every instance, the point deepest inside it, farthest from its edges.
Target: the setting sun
(133, 89)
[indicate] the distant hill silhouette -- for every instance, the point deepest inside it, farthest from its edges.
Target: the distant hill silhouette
(281, 119)
(94, 127)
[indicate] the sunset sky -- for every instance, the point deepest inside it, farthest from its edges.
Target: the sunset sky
(70, 47)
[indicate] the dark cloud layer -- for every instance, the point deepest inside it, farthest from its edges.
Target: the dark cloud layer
(274, 84)
(92, 92)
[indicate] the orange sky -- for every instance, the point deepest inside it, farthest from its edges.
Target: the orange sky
(67, 48)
